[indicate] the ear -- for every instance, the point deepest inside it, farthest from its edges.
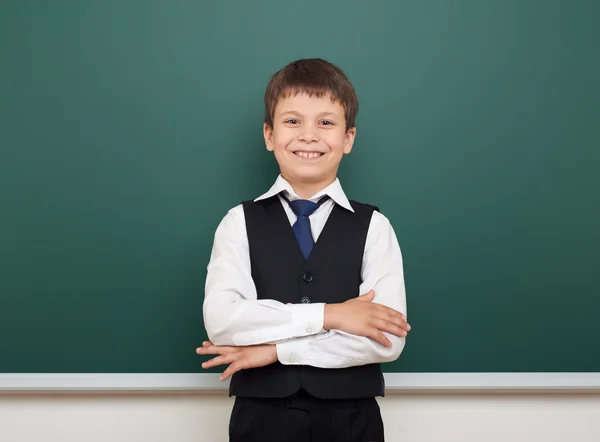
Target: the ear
(349, 141)
(268, 134)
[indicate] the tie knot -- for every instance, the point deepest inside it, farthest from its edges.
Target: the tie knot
(303, 207)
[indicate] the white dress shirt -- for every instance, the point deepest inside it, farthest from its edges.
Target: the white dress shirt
(234, 316)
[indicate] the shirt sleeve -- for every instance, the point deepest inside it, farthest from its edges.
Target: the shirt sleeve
(382, 271)
(232, 313)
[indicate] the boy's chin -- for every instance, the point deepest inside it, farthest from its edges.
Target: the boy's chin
(306, 175)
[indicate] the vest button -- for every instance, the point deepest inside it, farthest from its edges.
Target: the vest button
(307, 277)
(305, 300)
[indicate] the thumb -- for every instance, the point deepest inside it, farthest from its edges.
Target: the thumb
(367, 297)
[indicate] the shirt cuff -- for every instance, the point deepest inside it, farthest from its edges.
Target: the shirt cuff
(307, 319)
(293, 352)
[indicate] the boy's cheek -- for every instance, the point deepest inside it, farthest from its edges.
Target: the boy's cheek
(283, 139)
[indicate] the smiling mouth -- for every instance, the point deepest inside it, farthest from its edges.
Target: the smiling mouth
(308, 155)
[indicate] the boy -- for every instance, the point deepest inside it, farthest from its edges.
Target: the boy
(282, 306)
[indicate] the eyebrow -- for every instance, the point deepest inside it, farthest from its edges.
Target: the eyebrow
(322, 114)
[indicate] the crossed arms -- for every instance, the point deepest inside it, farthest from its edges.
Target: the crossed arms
(245, 332)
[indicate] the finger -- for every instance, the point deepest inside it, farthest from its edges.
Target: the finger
(207, 344)
(395, 314)
(213, 350)
(388, 310)
(233, 368)
(397, 328)
(216, 350)
(398, 321)
(389, 327)
(219, 360)
(380, 337)
(397, 331)
(204, 344)
(367, 297)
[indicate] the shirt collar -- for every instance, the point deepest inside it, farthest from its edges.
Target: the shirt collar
(334, 190)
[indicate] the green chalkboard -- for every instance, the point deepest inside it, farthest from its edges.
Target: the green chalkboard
(123, 122)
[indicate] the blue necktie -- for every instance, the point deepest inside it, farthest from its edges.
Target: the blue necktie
(303, 209)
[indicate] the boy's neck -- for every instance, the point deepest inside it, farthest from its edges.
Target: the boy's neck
(306, 189)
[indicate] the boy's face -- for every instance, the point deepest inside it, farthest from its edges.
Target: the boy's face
(309, 138)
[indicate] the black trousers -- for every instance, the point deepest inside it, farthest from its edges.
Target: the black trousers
(303, 418)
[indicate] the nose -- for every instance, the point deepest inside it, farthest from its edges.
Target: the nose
(308, 134)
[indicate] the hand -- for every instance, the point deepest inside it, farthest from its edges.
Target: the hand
(359, 316)
(238, 358)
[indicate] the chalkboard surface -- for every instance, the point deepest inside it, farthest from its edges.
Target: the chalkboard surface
(129, 128)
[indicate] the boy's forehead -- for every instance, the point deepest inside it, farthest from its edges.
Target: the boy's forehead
(305, 101)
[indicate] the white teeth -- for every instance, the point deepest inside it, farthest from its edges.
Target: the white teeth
(308, 154)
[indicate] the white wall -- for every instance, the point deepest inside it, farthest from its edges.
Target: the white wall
(196, 417)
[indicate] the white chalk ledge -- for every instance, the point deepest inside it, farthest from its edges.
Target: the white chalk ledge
(395, 382)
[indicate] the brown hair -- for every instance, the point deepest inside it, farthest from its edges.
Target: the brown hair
(316, 77)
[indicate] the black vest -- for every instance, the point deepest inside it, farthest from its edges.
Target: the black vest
(332, 274)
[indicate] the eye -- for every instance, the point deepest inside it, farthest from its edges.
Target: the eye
(327, 122)
(291, 121)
